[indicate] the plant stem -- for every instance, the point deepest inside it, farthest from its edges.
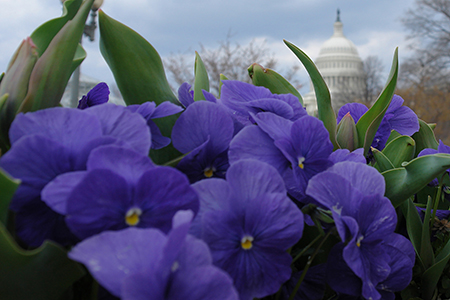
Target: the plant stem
(308, 264)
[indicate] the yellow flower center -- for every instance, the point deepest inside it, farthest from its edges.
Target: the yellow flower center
(246, 242)
(300, 162)
(358, 241)
(209, 172)
(132, 216)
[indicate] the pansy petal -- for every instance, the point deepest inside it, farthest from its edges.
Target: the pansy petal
(56, 192)
(143, 286)
(377, 217)
(271, 105)
(338, 274)
(253, 143)
(364, 178)
(99, 94)
(112, 256)
(165, 109)
(98, 203)
(249, 179)
(356, 110)
(70, 127)
(341, 155)
(36, 160)
(278, 221)
(185, 94)
(275, 126)
(160, 193)
(200, 121)
(213, 195)
(210, 283)
(35, 222)
(118, 122)
(126, 162)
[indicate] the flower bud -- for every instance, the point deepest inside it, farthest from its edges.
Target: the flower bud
(347, 136)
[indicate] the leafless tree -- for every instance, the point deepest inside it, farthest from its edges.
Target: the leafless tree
(230, 59)
(373, 83)
(365, 89)
(428, 23)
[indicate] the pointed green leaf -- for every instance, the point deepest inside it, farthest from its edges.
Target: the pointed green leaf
(368, 124)
(135, 64)
(8, 186)
(52, 71)
(44, 34)
(400, 150)
(382, 163)
(413, 226)
(222, 78)
(325, 110)
(394, 134)
(272, 80)
(426, 250)
(401, 183)
(430, 277)
(41, 274)
(424, 138)
(139, 74)
(201, 81)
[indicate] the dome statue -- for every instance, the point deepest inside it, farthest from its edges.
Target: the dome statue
(341, 68)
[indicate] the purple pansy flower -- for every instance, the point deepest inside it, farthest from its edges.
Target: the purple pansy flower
(146, 264)
(99, 94)
(150, 111)
(340, 155)
(244, 99)
(397, 117)
(298, 150)
(365, 221)
(442, 148)
(204, 131)
(248, 223)
(186, 95)
(120, 188)
(55, 141)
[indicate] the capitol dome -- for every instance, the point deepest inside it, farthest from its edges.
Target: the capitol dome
(341, 68)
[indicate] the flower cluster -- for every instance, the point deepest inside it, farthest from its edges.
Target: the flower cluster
(219, 226)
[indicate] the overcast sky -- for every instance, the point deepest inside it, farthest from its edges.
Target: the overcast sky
(175, 26)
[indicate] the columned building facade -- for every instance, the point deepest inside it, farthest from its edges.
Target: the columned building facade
(341, 68)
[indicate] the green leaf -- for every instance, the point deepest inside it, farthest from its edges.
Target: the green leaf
(325, 110)
(368, 124)
(139, 74)
(382, 163)
(272, 80)
(401, 183)
(44, 34)
(430, 277)
(425, 138)
(394, 134)
(413, 227)
(201, 81)
(222, 78)
(41, 274)
(8, 187)
(426, 250)
(135, 64)
(400, 150)
(52, 71)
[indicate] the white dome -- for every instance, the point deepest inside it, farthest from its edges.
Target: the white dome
(341, 67)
